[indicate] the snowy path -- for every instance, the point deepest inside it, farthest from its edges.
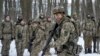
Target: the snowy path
(13, 50)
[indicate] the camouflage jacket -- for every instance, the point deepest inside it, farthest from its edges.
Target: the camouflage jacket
(66, 32)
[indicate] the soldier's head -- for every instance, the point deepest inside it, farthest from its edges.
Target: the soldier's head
(29, 22)
(74, 14)
(59, 13)
(90, 16)
(7, 18)
(20, 18)
(41, 16)
(23, 22)
(49, 19)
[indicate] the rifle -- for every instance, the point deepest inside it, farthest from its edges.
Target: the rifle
(31, 40)
(49, 39)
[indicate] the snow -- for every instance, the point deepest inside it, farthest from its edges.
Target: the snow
(12, 51)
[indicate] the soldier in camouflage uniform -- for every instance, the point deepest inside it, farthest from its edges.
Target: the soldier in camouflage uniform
(39, 41)
(22, 39)
(88, 32)
(64, 35)
(47, 32)
(32, 33)
(7, 35)
(77, 24)
(97, 44)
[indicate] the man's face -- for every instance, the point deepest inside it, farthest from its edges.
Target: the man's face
(58, 16)
(22, 22)
(8, 18)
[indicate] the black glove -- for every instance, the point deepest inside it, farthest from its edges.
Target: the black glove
(12, 38)
(1, 38)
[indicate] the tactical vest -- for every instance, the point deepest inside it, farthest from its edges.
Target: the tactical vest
(71, 46)
(6, 28)
(89, 25)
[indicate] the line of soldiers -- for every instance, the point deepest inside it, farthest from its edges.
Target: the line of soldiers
(91, 32)
(39, 36)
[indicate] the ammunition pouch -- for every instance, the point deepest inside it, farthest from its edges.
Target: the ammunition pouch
(19, 35)
(72, 48)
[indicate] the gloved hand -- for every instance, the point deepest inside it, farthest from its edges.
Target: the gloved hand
(1, 38)
(59, 49)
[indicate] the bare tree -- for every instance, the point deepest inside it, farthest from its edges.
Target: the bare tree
(49, 8)
(35, 9)
(12, 9)
(72, 7)
(89, 7)
(77, 7)
(26, 6)
(6, 7)
(1, 8)
(65, 6)
(40, 6)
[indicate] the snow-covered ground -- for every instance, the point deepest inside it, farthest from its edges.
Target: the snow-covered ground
(12, 50)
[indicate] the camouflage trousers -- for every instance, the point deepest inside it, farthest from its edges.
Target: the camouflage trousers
(19, 47)
(88, 41)
(65, 53)
(98, 45)
(36, 50)
(6, 44)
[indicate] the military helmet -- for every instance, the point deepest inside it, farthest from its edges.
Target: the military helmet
(58, 10)
(41, 16)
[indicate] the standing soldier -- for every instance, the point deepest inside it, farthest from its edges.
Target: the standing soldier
(21, 37)
(7, 35)
(63, 34)
(32, 33)
(97, 44)
(39, 41)
(77, 24)
(88, 32)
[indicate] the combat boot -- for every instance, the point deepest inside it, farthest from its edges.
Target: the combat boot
(89, 50)
(94, 51)
(86, 50)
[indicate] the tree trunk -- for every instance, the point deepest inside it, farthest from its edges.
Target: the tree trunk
(40, 6)
(49, 8)
(6, 7)
(72, 7)
(12, 9)
(89, 7)
(65, 6)
(26, 6)
(1, 9)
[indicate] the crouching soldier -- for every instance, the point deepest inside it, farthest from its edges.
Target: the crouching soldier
(63, 34)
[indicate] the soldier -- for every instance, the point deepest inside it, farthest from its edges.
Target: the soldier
(40, 36)
(19, 20)
(32, 33)
(88, 33)
(7, 35)
(77, 24)
(21, 37)
(63, 34)
(97, 44)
